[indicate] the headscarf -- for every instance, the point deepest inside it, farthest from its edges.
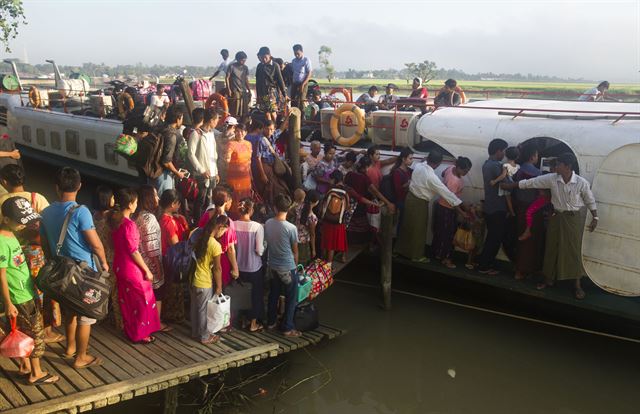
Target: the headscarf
(419, 81)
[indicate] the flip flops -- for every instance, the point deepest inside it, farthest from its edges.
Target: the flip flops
(97, 361)
(47, 379)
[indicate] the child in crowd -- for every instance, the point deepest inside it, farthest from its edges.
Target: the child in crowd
(509, 169)
(306, 222)
(173, 229)
(543, 200)
(208, 251)
(334, 229)
(17, 287)
(251, 247)
(298, 200)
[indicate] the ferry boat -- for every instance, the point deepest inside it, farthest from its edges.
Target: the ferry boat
(604, 136)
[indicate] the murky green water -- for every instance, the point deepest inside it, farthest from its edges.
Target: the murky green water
(430, 357)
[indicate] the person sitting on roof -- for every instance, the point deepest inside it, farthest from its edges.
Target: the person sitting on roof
(596, 94)
(367, 100)
(418, 91)
(450, 95)
(388, 100)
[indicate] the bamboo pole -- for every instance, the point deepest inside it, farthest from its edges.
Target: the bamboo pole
(386, 261)
(295, 119)
(188, 100)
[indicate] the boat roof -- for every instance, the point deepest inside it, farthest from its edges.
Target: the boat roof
(550, 105)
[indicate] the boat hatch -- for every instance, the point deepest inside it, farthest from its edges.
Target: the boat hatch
(611, 254)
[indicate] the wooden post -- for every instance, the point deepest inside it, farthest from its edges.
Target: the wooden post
(295, 118)
(188, 100)
(386, 251)
(170, 404)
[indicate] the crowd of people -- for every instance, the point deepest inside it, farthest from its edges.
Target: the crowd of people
(226, 189)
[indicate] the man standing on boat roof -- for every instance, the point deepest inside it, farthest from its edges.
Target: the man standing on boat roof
(224, 65)
(570, 193)
(301, 68)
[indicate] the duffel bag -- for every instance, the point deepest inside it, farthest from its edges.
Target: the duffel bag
(306, 317)
(321, 276)
(74, 284)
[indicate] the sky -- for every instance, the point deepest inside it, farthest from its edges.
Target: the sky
(593, 40)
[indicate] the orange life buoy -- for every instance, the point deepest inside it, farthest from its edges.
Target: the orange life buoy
(335, 120)
(34, 97)
(220, 102)
(344, 91)
(124, 99)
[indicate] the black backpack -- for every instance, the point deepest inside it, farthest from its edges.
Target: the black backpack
(149, 154)
(387, 188)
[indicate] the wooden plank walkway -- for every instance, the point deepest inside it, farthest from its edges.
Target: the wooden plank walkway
(131, 370)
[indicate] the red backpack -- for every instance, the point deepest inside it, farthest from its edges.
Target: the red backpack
(335, 205)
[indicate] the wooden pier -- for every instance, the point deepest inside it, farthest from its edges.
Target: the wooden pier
(131, 370)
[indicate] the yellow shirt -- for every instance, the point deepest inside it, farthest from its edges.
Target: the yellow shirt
(203, 277)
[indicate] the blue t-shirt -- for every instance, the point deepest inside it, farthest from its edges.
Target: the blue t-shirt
(280, 235)
(75, 245)
(301, 67)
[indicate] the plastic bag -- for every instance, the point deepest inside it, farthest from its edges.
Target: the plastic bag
(16, 344)
(304, 284)
(218, 313)
(126, 144)
(321, 276)
(463, 239)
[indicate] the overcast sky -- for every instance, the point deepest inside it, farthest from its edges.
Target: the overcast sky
(589, 39)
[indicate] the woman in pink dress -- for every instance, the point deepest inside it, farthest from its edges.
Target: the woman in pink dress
(133, 277)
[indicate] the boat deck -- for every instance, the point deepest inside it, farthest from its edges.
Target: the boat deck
(131, 370)
(597, 299)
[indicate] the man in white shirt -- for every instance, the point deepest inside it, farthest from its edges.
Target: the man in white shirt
(570, 193)
(160, 99)
(224, 65)
(425, 186)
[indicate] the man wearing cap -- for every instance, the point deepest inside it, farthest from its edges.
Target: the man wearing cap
(388, 100)
(81, 243)
(301, 68)
(269, 82)
(17, 287)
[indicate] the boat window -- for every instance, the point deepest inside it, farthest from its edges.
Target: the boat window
(91, 149)
(72, 141)
(26, 133)
(41, 137)
(110, 153)
(56, 142)
(3, 115)
(550, 148)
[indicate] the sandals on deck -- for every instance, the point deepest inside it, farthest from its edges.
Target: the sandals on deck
(47, 379)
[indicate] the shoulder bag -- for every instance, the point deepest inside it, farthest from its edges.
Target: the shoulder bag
(73, 283)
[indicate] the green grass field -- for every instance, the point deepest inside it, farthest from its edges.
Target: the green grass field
(363, 85)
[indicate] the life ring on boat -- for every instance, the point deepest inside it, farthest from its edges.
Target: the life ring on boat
(335, 120)
(343, 91)
(220, 102)
(34, 97)
(125, 104)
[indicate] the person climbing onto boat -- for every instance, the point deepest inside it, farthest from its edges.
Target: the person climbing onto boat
(570, 193)
(224, 65)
